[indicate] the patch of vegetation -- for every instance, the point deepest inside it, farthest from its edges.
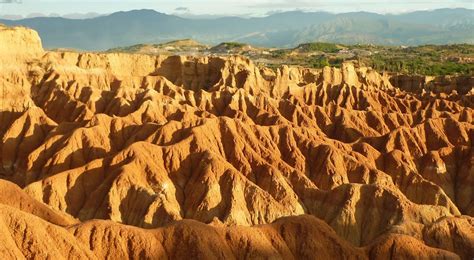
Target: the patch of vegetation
(279, 53)
(435, 60)
(320, 62)
(319, 46)
(232, 45)
(128, 49)
(425, 60)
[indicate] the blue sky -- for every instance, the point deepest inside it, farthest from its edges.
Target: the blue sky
(227, 7)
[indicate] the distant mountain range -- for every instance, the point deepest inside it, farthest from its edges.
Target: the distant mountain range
(69, 16)
(442, 26)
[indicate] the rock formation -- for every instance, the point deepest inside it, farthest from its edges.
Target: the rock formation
(228, 159)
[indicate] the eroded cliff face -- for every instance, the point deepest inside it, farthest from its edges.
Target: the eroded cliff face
(379, 165)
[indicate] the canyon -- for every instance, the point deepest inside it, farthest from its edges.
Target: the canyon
(114, 155)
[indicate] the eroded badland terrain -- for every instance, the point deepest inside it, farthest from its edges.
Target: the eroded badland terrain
(138, 156)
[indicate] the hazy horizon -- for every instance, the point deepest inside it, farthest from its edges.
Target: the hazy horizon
(27, 8)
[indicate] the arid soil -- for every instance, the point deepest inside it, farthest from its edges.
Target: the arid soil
(134, 156)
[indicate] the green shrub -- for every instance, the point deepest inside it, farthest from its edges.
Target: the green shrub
(320, 46)
(320, 62)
